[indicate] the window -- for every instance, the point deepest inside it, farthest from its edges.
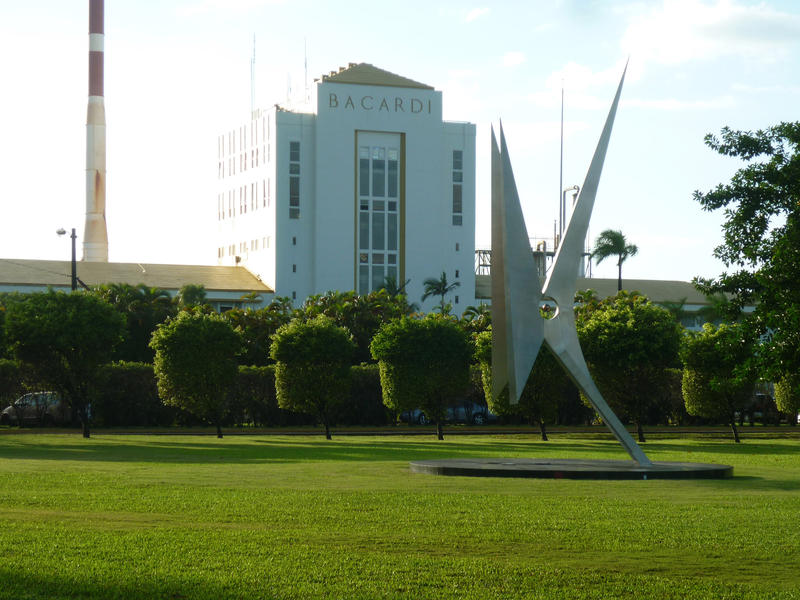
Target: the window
(456, 273)
(294, 268)
(458, 247)
(294, 241)
(378, 228)
(294, 180)
(458, 179)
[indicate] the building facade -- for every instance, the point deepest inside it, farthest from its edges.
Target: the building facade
(374, 185)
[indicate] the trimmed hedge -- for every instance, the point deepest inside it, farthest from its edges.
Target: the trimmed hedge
(10, 382)
(127, 396)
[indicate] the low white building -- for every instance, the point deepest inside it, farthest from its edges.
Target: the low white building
(372, 185)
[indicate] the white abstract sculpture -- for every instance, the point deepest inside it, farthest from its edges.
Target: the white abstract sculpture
(518, 329)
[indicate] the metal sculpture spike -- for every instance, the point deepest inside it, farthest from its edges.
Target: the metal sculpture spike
(518, 329)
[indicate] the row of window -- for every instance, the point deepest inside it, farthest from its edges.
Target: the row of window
(256, 244)
(245, 197)
(242, 247)
(294, 180)
(458, 179)
(228, 143)
(255, 160)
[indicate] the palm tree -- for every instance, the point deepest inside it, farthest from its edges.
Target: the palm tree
(439, 287)
(613, 243)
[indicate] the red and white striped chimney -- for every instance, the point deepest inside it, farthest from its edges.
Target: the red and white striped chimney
(95, 236)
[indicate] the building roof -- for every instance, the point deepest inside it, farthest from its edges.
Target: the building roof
(656, 290)
(23, 272)
(367, 74)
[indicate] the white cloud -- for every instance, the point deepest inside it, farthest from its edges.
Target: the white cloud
(513, 59)
(766, 89)
(577, 81)
(476, 13)
(686, 30)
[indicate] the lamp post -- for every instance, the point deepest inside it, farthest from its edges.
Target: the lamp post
(62, 231)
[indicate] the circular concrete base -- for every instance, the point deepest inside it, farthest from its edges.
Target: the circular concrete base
(567, 468)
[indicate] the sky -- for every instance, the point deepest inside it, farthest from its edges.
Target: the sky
(178, 74)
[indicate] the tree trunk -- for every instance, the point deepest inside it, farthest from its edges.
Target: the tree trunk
(735, 431)
(439, 432)
(327, 432)
(83, 415)
(219, 431)
(640, 432)
(619, 279)
(543, 429)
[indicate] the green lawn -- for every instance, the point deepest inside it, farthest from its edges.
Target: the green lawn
(299, 517)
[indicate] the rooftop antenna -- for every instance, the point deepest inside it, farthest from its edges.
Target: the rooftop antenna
(561, 209)
(253, 80)
(305, 67)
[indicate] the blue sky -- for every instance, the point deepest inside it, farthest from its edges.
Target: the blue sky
(178, 73)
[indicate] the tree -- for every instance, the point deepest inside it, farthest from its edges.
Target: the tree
(143, 308)
(312, 371)
(10, 381)
(360, 315)
(439, 287)
(257, 327)
(629, 343)
(195, 364)
(546, 387)
(191, 294)
(63, 339)
(787, 396)
(476, 319)
(424, 363)
(761, 240)
(612, 243)
(718, 376)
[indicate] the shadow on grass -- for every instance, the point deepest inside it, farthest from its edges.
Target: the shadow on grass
(19, 585)
(296, 450)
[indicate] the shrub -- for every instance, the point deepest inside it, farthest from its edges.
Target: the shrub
(127, 396)
(312, 374)
(423, 364)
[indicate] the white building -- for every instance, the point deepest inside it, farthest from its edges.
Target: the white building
(372, 185)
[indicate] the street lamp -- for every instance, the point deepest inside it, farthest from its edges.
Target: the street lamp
(62, 231)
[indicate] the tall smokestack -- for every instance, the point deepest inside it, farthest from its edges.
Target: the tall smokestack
(95, 236)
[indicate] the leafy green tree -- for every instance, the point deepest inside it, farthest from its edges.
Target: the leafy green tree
(547, 385)
(362, 315)
(312, 371)
(191, 294)
(628, 343)
(761, 239)
(143, 308)
(257, 328)
(393, 287)
(424, 363)
(476, 319)
(787, 396)
(10, 381)
(612, 243)
(195, 364)
(62, 340)
(439, 287)
(718, 376)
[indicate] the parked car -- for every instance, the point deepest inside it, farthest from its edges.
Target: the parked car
(37, 408)
(462, 412)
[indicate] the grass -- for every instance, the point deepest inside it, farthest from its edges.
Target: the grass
(298, 517)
